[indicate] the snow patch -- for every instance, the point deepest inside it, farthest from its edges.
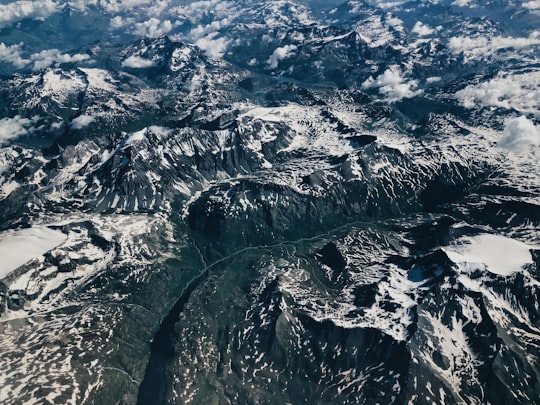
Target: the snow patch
(19, 247)
(499, 254)
(180, 58)
(136, 137)
(141, 135)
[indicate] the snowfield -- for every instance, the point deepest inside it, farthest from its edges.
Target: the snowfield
(21, 246)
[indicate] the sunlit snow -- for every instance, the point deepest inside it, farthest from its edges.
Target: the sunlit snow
(499, 254)
(19, 247)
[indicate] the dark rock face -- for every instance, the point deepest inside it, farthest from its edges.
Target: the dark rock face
(362, 140)
(330, 256)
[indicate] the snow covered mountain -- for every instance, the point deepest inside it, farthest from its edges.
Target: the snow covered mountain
(269, 202)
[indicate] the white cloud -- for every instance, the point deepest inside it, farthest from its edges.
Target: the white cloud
(82, 5)
(485, 46)
(11, 128)
(82, 121)
(22, 9)
(206, 38)
(520, 134)
(49, 57)
(153, 28)
(212, 46)
(463, 3)
(520, 92)
(119, 22)
(532, 5)
(392, 85)
(385, 4)
(198, 9)
(40, 60)
(422, 29)
(137, 62)
(279, 54)
(12, 54)
(201, 31)
(117, 6)
(433, 79)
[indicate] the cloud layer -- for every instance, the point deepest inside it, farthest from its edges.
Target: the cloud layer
(137, 62)
(422, 29)
(153, 28)
(520, 135)
(50, 57)
(518, 92)
(12, 54)
(532, 5)
(38, 61)
(11, 128)
(213, 47)
(82, 121)
(478, 47)
(22, 9)
(280, 54)
(393, 85)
